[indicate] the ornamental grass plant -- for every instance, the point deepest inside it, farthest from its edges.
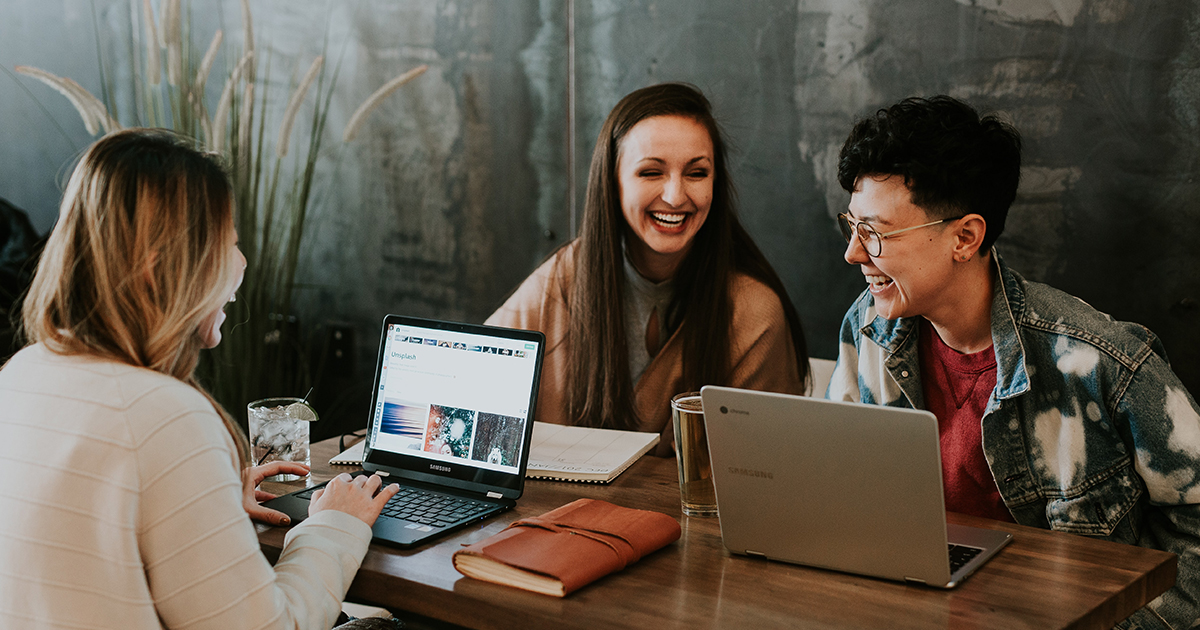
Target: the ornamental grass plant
(266, 351)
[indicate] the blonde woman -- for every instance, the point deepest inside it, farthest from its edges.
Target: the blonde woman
(123, 503)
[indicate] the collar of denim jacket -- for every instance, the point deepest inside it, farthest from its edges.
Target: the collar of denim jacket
(1008, 305)
(890, 334)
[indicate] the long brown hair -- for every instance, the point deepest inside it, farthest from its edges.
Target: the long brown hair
(139, 257)
(599, 385)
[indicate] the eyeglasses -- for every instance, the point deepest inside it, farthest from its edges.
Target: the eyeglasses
(871, 240)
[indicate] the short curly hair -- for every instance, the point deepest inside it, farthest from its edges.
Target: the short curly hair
(953, 161)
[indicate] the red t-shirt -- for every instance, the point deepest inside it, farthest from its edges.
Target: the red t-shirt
(957, 388)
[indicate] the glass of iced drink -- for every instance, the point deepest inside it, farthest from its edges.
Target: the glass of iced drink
(691, 453)
(279, 432)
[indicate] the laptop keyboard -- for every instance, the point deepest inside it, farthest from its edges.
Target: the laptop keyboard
(432, 508)
(960, 555)
(426, 507)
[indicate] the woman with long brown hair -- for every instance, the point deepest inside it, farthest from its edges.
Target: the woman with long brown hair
(663, 291)
(127, 489)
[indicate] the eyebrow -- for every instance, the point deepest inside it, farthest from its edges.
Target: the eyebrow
(866, 218)
(656, 160)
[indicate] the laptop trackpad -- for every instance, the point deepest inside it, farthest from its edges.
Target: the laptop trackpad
(987, 539)
(402, 532)
(399, 532)
(295, 508)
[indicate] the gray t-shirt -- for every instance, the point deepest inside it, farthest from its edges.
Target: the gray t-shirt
(643, 297)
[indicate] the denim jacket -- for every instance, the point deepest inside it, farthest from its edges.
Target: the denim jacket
(1088, 430)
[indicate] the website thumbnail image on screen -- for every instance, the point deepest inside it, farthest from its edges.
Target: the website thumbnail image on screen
(454, 397)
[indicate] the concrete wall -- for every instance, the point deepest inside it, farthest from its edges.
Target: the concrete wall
(460, 184)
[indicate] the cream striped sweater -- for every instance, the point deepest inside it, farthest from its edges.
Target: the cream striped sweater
(120, 508)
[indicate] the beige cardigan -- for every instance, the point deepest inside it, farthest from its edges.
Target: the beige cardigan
(122, 508)
(762, 353)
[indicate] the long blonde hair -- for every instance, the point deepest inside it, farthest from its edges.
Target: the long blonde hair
(139, 258)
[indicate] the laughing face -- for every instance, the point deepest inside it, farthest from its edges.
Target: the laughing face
(665, 173)
(911, 274)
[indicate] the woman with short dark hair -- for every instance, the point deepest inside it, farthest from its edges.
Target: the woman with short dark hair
(1050, 413)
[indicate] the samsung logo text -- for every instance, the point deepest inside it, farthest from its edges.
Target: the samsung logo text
(750, 472)
(439, 468)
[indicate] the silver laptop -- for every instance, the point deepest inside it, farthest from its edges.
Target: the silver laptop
(843, 486)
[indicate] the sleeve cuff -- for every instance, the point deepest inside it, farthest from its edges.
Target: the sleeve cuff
(352, 527)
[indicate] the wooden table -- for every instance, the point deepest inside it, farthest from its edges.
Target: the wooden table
(1041, 580)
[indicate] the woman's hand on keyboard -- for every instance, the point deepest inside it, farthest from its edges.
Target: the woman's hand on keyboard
(355, 496)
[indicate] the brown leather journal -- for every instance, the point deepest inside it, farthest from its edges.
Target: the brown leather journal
(568, 547)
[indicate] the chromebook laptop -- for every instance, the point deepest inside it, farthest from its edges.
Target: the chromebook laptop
(451, 421)
(844, 486)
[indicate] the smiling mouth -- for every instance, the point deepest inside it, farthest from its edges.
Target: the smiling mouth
(878, 282)
(669, 219)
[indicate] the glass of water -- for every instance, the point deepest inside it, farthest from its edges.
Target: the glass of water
(279, 430)
(691, 454)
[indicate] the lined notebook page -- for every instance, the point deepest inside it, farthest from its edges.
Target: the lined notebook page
(583, 453)
(350, 457)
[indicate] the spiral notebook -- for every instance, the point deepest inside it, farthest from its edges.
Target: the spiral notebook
(566, 453)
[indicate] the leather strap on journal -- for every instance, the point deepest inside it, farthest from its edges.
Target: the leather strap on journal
(620, 546)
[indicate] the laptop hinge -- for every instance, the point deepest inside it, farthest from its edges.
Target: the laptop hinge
(495, 495)
(756, 553)
(914, 580)
(382, 473)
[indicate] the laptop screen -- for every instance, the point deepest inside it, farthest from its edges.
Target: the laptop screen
(454, 401)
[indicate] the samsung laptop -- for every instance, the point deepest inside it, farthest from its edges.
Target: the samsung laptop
(844, 486)
(451, 422)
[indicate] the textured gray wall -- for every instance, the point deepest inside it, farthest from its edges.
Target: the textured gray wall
(458, 185)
